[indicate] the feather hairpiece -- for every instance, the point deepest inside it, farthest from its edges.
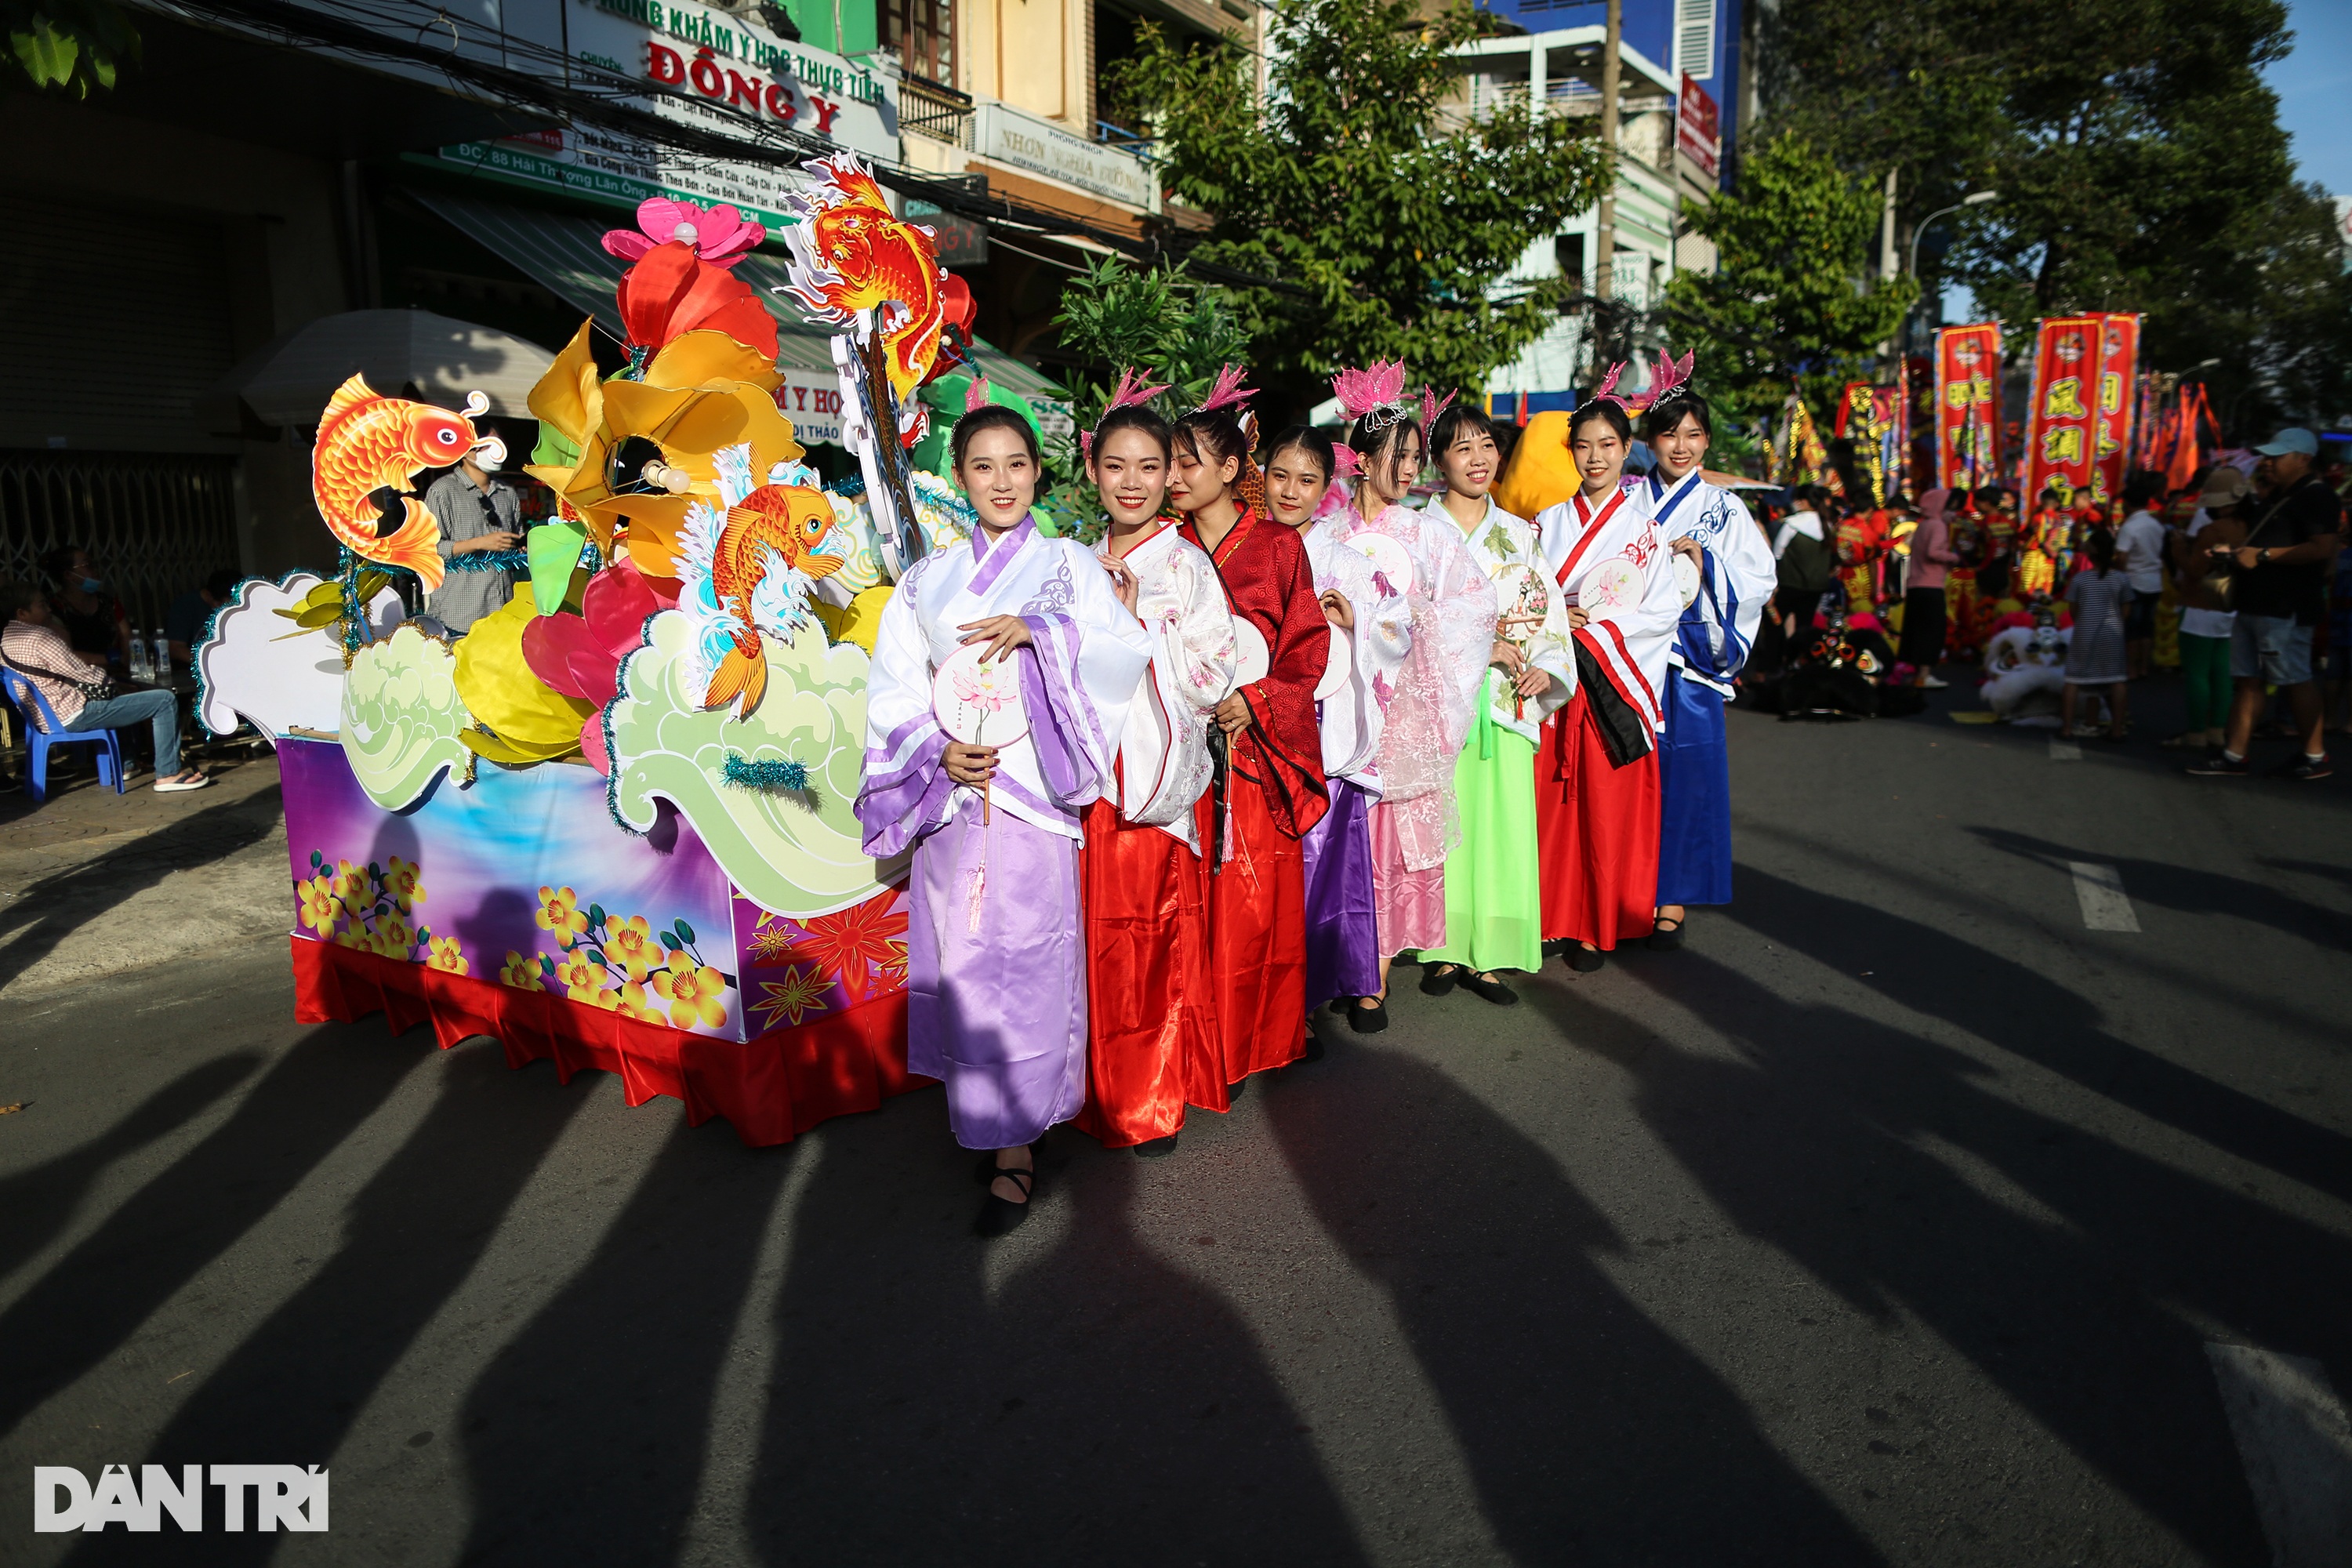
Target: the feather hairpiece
(1362, 391)
(976, 394)
(1228, 392)
(1432, 406)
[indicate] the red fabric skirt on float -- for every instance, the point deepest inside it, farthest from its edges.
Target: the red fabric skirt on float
(1257, 945)
(1150, 1004)
(769, 1089)
(1596, 833)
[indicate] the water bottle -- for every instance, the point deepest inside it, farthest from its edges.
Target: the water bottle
(139, 669)
(163, 658)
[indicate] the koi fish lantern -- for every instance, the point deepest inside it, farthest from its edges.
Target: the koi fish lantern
(861, 268)
(368, 442)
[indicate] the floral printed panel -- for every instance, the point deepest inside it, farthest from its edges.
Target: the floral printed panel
(796, 972)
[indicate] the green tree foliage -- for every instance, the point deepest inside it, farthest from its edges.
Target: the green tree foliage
(2138, 157)
(1157, 322)
(1390, 230)
(71, 44)
(1787, 300)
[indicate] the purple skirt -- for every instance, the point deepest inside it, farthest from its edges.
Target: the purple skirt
(996, 976)
(1343, 940)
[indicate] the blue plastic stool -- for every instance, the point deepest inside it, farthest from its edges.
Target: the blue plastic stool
(26, 697)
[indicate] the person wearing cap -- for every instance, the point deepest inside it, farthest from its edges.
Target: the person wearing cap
(2278, 585)
(2205, 616)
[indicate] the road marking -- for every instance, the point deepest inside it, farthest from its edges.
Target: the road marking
(2296, 1446)
(2100, 891)
(2063, 750)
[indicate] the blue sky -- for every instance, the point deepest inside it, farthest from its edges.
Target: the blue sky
(2315, 88)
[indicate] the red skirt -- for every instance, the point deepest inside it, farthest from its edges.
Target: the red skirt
(1596, 834)
(1150, 1016)
(1257, 947)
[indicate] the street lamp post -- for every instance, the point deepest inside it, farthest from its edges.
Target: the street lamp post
(1977, 200)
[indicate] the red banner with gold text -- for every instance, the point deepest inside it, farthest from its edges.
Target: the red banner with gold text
(2080, 433)
(1967, 405)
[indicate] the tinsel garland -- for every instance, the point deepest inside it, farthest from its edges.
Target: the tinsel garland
(768, 774)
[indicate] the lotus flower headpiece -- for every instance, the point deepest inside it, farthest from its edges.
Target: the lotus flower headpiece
(1373, 398)
(1228, 392)
(1432, 406)
(1667, 376)
(1132, 391)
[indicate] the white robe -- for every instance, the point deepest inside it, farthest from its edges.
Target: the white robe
(1499, 542)
(1737, 577)
(1089, 646)
(1164, 763)
(1351, 718)
(1582, 542)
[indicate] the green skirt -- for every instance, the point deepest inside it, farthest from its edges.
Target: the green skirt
(1493, 898)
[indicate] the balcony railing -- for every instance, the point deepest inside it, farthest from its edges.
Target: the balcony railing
(935, 110)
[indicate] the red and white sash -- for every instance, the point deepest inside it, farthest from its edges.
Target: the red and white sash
(1602, 639)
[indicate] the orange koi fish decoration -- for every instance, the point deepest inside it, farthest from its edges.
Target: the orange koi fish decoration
(367, 442)
(850, 253)
(790, 522)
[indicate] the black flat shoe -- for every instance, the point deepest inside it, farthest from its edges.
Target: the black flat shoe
(1440, 978)
(985, 1170)
(1485, 988)
(1156, 1148)
(1313, 1051)
(998, 1216)
(1369, 1020)
(1584, 960)
(1666, 936)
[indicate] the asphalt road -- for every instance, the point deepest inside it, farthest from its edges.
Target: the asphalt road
(1889, 1222)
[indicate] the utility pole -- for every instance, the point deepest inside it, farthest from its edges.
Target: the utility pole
(1604, 270)
(1889, 264)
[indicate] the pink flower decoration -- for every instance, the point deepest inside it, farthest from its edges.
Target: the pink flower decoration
(580, 656)
(1362, 391)
(1228, 390)
(1345, 456)
(720, 235)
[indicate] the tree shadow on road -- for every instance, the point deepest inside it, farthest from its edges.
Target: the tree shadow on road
(2059, 1262)
(188, 1214)
(1094, 1404)
(40, 1201)
(1592, 1435)
(2192, 890)
(410, 1235)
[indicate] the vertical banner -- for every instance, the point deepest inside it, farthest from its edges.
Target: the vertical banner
(1872, 418)
(2062, 429)
(2118, 376)
(1967, 405)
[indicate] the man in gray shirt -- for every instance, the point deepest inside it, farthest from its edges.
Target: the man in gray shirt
(476, 512)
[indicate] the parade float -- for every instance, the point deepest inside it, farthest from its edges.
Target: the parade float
(612, 824)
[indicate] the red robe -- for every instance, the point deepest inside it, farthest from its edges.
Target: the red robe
(1150, 1021)
(1257, 900)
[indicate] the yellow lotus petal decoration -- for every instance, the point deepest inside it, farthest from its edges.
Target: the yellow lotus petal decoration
(536, 723)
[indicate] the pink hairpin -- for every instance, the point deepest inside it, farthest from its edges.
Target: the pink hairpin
(1671, 375)
(976, 394)
(1086, 445)
(1432, 406)
(1343, 457)
(1607, 391)
(1132, 389)
(1228, 390)
(1362, 391)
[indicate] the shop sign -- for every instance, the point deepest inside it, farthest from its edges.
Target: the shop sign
(1003, 134)
(1698, 129)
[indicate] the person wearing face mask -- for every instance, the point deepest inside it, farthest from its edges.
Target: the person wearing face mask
(1494, 895)
(996, 967)
(1272, 792)
(1597, 813)
(478, 512)
(91, 617)
(1371, 632)
(1151, 994)
(1426, 714)
(1729, 576)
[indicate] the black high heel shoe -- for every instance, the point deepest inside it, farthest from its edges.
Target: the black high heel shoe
(999, 1216)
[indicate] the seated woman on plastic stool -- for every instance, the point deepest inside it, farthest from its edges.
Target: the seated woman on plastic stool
(31, 646)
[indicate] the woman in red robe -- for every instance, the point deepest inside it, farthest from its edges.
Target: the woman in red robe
(1273, 788)
(1151, 996)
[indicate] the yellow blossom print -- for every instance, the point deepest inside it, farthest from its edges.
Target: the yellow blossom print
(520, 973)
(318, 909)
(447, 955)
(636, 1002)
(355, 936)
(351, 887)
(396, 936)
(402, 881)
(387, 945)
(629, 942)
(696, 991)
(559, 911)
(583, 980)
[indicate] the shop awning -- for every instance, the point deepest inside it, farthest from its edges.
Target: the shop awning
(566, 254)
(291, 380)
